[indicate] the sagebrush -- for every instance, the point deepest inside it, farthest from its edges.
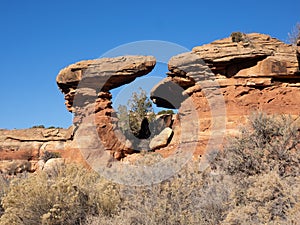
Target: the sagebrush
(254, 180)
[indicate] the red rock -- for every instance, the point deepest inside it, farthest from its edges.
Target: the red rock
(231, 81)
(86, 86)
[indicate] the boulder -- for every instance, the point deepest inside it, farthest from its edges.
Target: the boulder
(162, 139)
(53, 165)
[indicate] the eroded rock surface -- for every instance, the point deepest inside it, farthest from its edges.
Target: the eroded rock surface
(228, 80)
(215, 87)
(20, 150)
(101, 75)
(256, 55)
(86, 86)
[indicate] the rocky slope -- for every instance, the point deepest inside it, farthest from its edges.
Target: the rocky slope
(215, 87)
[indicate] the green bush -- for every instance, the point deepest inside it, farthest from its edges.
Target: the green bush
(168, 111)
(237, 36)
(140, 109)
(38, 126)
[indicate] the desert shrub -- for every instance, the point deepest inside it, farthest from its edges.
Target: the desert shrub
(267, 199)
(237, 36)
(268, 143)
(293, 214)
(263, 163)
(38, 126)
(4, 183)
(63, 199)
(190, 197)
(168, 111)
(255, 180)
(50, 155)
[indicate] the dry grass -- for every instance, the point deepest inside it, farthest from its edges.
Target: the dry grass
(65, 198)
(255, 180)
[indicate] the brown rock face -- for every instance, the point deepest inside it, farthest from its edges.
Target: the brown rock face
(215, 87)
(227, 81)
(86, 86)
(102, 74)
(256, 55)
(21, 149)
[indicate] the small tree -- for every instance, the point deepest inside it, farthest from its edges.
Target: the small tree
(140, 104)
(140, 113)
(294, 35)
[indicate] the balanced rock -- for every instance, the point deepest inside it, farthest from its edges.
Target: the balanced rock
(102, 74)
(86, 86)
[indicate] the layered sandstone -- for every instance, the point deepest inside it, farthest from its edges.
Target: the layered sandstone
(87, 86)
(20, 150)
(215, 88)
(228, 81)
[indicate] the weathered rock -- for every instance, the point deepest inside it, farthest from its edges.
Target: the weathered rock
(102, 74)
(223, 82)
(37, 134)
(256, 55)
(162, 139)
(53, 165)
(86, 86)
(16, 166)
(161, 122)
(28, 145)
(168, 94)
(232, 80)
(39, 165)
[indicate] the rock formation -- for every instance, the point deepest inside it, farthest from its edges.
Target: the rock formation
(215, 87)
(233, 79)
(86, 86)
(162, 139)
(20, 150)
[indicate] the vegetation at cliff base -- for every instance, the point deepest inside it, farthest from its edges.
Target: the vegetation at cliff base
(254, 180)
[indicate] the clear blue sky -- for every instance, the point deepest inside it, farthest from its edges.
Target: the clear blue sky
(38, 38)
